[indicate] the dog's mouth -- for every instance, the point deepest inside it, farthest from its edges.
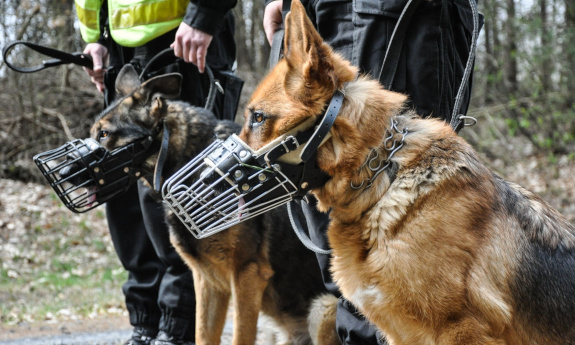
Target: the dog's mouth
(84, 174)
(91, 196)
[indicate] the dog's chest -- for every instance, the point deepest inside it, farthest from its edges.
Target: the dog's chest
(379, 267)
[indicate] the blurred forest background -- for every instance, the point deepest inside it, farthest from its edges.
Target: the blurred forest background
(523, 99)
(524, 76)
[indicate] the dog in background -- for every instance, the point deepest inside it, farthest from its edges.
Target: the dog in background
(260, 262)
(436, 249)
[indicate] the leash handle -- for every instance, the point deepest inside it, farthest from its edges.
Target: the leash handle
(215, 85)
(59, 57)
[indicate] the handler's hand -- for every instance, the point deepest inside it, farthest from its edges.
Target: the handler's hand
(273, 20)
(100, 57)
(192, 45)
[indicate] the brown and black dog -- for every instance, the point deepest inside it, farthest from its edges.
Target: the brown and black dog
(436, 249)
(261, 263)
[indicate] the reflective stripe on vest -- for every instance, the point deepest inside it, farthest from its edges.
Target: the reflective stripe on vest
(132, 22)
(88, 14)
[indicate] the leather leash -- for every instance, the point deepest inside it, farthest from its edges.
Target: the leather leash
(59, 57)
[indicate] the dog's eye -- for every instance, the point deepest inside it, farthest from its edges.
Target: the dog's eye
(103, 134)
(257, 118)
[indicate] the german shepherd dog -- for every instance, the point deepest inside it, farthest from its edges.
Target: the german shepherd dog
(261, 263)
(436, 249)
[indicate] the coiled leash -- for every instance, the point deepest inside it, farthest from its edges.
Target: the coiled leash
(386, 77)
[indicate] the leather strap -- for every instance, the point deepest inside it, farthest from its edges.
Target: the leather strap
(161, 159)
(278, 40)
(311, 137)
(458, 119)
(324, 127)
(276, 49)
(60, 57)
(300, 232)
(394, 48)
(215, 85)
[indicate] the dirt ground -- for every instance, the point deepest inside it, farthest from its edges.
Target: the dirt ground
(36, 329)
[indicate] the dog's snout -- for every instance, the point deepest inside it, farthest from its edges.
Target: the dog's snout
(73, 172)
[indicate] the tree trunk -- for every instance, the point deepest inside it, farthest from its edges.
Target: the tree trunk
(510, 50)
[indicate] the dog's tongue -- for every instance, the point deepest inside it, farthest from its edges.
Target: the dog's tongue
(91, 195)
(241, 204)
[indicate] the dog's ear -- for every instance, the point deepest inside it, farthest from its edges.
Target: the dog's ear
(312, 64)
(127, 80)
(165, 86)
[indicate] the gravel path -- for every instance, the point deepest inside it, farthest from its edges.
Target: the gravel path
(108, 337)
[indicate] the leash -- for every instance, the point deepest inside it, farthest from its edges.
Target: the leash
(161, 158)
(395, 45)
(456, 118)
(59, 57)
(300, 232)
(215, 86)
(393, 53)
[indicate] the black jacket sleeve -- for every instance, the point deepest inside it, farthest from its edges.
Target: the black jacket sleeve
(208, 15)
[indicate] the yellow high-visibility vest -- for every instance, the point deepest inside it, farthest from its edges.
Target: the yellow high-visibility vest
(132, 22)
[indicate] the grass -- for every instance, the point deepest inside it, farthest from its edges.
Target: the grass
(54, 264)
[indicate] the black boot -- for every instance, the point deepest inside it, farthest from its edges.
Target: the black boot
(142, 336)
(164, 338)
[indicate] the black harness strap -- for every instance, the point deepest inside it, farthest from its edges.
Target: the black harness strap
(312, 136)
(324, 127)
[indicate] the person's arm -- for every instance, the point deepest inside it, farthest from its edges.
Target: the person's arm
(273, 20)
(202, 21)
(99, 51)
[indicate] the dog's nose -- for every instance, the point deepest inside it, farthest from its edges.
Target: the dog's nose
(73, 172)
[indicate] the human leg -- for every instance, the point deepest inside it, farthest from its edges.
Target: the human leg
(137, 255)
(175, 298)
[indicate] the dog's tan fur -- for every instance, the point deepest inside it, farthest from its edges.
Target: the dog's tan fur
(259, 262)
(438, 250)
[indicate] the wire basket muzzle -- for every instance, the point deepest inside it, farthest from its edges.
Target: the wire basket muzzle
(223, 186)
(85, 175)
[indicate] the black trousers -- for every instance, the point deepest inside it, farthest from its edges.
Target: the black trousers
(159, 292)
(430, 69)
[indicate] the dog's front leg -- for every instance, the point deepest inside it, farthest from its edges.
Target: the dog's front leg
(248, 287)
(211, 308)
